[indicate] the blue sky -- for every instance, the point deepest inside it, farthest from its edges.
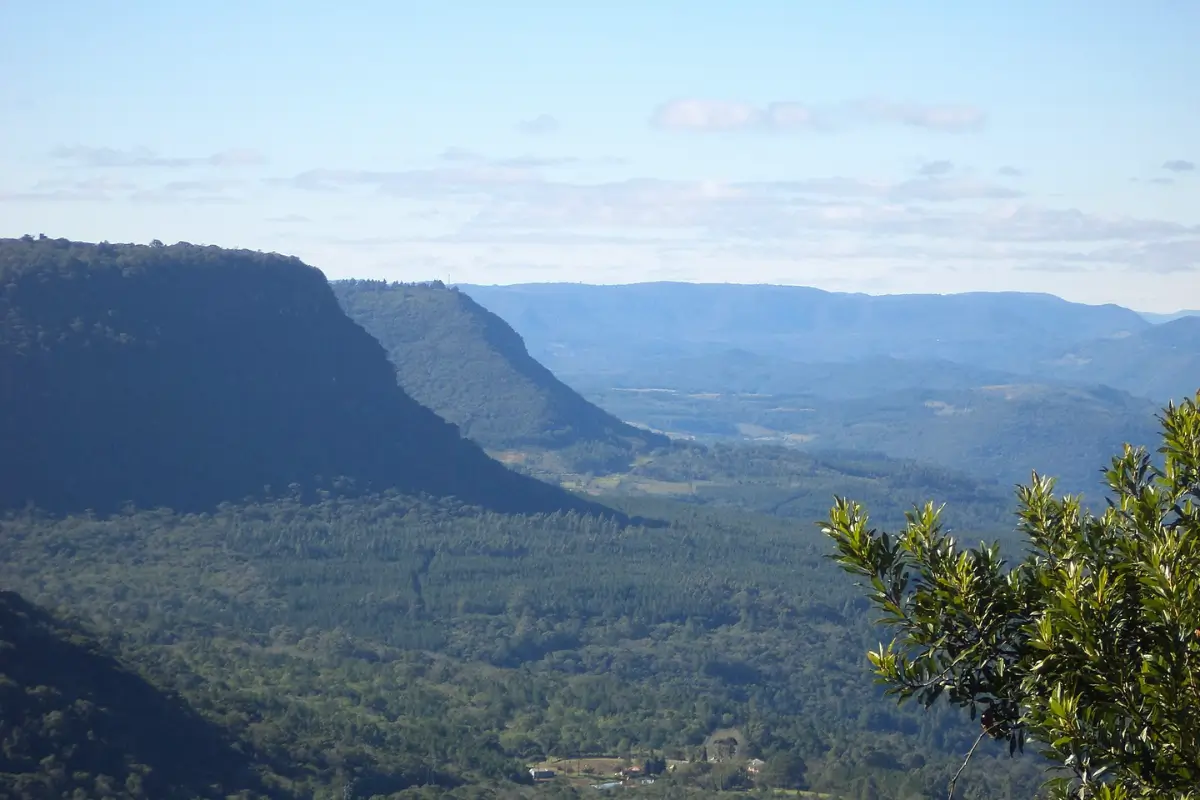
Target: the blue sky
(859, 146)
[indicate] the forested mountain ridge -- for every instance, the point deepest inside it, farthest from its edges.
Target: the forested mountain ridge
(473, 369)
(185, 376)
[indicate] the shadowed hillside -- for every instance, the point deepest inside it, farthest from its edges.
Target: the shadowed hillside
(472, 368)
(73, 719)
(185, 376)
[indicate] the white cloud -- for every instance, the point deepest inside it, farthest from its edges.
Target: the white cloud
(952, 118)
(706, 115)
(936, 168)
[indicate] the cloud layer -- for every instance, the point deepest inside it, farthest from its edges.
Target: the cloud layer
(943, 215)
(108, 157)
(713, 115)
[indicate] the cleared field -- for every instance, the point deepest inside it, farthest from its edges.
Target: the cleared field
(585, 766)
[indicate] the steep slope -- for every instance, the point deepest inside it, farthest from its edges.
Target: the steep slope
(75, 720)
(472, 368)
(1161, 362)
(185, 376)
(574, 328)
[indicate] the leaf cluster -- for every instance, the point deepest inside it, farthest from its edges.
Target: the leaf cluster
(1089, 646)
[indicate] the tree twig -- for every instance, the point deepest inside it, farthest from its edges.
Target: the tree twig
(967, 760)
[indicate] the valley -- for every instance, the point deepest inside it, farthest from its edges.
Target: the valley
(355, 540)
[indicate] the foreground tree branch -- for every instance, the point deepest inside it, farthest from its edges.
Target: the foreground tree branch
(1090, 646)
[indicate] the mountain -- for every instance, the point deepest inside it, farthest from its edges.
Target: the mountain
(469, 366)
(185, 376)
(1161, 362)
(76, 720)
(1160, 318)
(578, 329)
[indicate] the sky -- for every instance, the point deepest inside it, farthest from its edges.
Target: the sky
(881, 147)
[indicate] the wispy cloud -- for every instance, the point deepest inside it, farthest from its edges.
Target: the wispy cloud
(1179, 255)
(461, 155)
(1010, 172)
(951, 118)
(715, 115)
(944, 215)
(726, 115)
(1179, 165)
(104, 189)
(935, 168)
(188, 192)
(108, 157)
(540, 125)
(89, 190)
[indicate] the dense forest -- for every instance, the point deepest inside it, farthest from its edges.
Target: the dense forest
(385, 642)
(73, 720)
(471, 368)
(184, 376)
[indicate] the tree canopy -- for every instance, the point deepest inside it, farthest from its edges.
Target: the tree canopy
(1088, 647)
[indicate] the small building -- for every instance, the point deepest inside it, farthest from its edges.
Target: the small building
(755, 765)
(541, 774)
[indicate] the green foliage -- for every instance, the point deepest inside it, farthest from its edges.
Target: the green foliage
(471, 368)
(74, 720)
(184, 376)
(786, 482)
(1090, 646)
(397, 642)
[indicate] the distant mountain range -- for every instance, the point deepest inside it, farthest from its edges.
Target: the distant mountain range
(471, 368)
(1159, 318)
(994, 384)
(579, 329)
(186, 376)
(1161, 362)
(784, 339)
